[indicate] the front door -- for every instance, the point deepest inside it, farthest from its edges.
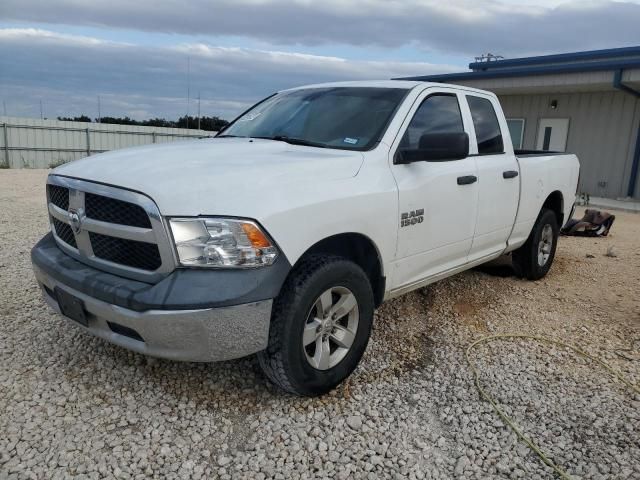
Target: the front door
(552, 134)
(437, 200)
(498, 178)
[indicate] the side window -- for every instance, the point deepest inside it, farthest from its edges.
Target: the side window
(437, 114)
(486, 124)
(516, 130)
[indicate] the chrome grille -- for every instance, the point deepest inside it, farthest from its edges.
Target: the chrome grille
(64, 232)
(59, 196)
(113, 229)
(115, 211)
(127, 252)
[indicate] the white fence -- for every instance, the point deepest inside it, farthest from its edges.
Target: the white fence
(35, 143)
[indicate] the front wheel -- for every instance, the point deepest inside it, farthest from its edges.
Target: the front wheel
(533, 259)
(320, 326)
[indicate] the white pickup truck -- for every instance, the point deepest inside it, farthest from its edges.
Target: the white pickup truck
(282, 235)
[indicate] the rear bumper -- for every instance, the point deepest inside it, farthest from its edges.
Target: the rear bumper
(203, 335)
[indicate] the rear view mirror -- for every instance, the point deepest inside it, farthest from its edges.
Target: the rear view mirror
(436, 147)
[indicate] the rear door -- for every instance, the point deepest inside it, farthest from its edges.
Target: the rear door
(437, 210)
(498, 176)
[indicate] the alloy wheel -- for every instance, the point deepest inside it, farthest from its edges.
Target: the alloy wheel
(330, 328)
(545, 245)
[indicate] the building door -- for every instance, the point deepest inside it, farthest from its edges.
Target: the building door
(552, 134)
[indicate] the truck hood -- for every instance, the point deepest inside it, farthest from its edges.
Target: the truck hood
(216, 176)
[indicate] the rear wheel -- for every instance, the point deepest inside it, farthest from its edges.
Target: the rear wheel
(320, 326)
(533, 259)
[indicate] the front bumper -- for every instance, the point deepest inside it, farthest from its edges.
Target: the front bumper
(205, 335)
(221, 331)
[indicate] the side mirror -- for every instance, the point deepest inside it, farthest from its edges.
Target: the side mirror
(436, 147)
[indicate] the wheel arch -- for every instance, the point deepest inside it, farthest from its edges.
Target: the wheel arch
(361, 250)
(555, 203)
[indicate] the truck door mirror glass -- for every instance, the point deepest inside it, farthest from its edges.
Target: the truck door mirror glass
(436, 147)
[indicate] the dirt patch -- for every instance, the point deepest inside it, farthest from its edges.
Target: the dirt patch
(402, 336)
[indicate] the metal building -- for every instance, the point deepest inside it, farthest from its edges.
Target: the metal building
(587, 103)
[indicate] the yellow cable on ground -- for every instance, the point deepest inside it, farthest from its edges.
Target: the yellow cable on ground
(504, 416)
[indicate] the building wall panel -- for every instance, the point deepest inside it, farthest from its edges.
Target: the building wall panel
(571, 82)
(636, 145)
(602, 132)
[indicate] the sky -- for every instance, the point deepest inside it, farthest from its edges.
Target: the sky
(145, 58)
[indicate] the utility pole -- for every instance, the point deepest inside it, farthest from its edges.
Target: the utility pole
(198, 110)
(4, 107)
(188, 86)
(99, 116)
(41, 115)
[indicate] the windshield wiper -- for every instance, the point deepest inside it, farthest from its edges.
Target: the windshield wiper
(294, 141)
(228, 136)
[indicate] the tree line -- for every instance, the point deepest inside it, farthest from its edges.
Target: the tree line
(210, 124)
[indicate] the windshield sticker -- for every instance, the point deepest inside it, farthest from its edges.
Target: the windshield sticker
(350, 141)
(249, 117)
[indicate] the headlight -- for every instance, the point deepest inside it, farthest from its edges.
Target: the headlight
(221, 242)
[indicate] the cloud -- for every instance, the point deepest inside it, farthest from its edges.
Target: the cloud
(69, 72)
(507, 27)
(143, 78)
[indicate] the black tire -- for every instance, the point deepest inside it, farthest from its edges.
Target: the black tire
(525, 260)
(284, 361)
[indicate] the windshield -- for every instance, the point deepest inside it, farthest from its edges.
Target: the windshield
(352, 118)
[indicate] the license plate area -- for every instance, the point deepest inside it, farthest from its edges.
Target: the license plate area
(71, 306)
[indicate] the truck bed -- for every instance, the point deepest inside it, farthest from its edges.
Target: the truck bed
(542, 173)
(536, 153)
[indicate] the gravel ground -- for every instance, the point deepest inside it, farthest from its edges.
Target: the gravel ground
(72, 406)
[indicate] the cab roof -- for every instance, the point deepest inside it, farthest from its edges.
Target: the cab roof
(404, 84)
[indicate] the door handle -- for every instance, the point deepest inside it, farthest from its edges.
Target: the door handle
(467, 180)
(509, 174)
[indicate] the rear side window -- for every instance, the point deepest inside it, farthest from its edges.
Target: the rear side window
(437, 114)
(485, 121)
